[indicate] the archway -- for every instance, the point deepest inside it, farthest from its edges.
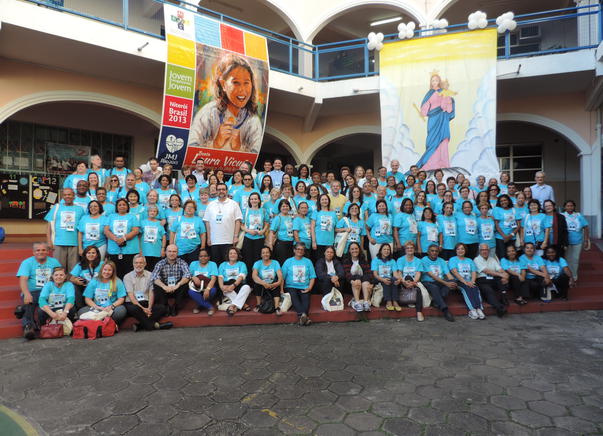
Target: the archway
(272, 148)
(351, 150)
(456, 11)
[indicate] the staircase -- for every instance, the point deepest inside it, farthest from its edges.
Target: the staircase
(588, 295)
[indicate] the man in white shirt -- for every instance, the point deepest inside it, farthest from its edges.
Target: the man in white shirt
(223, 223)
(199, 171)
(492, 280)
(542, 191)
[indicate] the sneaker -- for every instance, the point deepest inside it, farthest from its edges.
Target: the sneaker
(367, 306)
(303, 319)
(135, 327)
(473, 314)
(481, 314)
(420, 317)
(28, 332)
(357, 306)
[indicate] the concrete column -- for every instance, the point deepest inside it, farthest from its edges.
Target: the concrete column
(588, 25)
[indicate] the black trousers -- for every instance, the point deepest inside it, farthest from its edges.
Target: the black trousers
(520, 289)
(192, 256)
(252, 249)
(123, 265)
(438, 294)
(43, 316)
(501, 247)
(258, 290)
(536, 287)
(283, 250)
(300, 301)
(218, 252)
(562, 285)
(79, 297)
(472, 250)
(151, 262)
(447, 254)
(146, 322)
(178, 295)
(492, 290)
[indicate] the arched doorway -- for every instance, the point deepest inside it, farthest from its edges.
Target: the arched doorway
(357, 149)
(271, 149)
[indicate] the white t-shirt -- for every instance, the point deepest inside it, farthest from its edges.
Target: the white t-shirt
(220, 217)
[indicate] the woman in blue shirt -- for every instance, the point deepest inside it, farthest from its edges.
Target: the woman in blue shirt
(153, 238)
(84, 272)
(301, 192)
(165, 190)
(302, 227)
(190, 190)
(242, 195)
(420, 204)
(465, 273)
(405, 225)
(153, 198)
(121, 230)
(380, 228)
(354, 197)
(174, 212)
(352, 224)
(136, 208)
(235, 183)
(578, 236)
(486, 227)
(255, 225)
(466, 225)
(188, 233)
(384, 266)
(57, 295)
(266, 188)
(204, 277)
(517, 275)
(281, 232)
(558, 271)
(106, 292)
(113, 189)
(314, 192)
(267, 278)
(232, 278)
(506, 224)
(493, 193)
(537, 276)
(91, 229)
(323, 226)
(298, 280)
(408, 274)
(534, 227)
(428, 232)
(447, 226)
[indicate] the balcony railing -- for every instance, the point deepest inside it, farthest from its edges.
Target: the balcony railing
(540, 33)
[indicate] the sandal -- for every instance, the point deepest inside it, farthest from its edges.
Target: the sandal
(397, 308)
(256, 309)
(196, 310)
(247, 308)
(230, 311)
(390, 308)
(210, 312)
(277, 312)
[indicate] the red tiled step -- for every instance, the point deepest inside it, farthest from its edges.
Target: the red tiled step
(9, 292)
(10, 328)
(7, 308)
(9, 266)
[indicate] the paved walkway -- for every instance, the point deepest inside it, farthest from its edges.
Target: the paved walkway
(537, 374)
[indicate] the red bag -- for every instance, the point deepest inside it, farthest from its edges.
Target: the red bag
(51, 331)
(92, 329)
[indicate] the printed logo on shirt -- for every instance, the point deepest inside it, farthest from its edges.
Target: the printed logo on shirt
(56, 300)
(299, 273)
(432, 234)
(187, 230)
(470, 226)
(92, 231)
(67, 220)
(101, 297)
(450, 228)
(42, 276)
(326, 223)
(385, 271)
(487, 231)
(268, 275)
(150, 234)
(120, 228)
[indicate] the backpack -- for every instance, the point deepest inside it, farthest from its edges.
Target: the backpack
(92, 329)
(267, 304)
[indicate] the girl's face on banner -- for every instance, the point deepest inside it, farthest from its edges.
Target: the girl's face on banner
(238, 86)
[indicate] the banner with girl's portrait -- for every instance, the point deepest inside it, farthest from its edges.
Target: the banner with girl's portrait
(216, 92)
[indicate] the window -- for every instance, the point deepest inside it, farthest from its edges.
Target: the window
(23, 145)
(521, 161)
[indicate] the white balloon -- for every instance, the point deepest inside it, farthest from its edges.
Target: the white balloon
(499, 20)
(501, 29)
(472, 25)
(379, 46)
(512, 25)
(410, 33)
(371, 45)
(379, 37)
(401, 27)
(482, 23)
(371, 36)
(411, 25)
(443, 23)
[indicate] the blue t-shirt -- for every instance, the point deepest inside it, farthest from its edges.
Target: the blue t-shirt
(121, 225)
(409, 268)
(230, 271)
(463, 266)
(506, 219)
(241, 196)
(304, 227)
(37, 274)
(108, 209)
(407, 227)
(86, 273)
(381, 228)
(358, 230)
(187, 195)
(437, 267)
(160, 212)
(55, 297)
(65, 224)
(171, 216)
(188, 231)
(233, 189)
(138, 211)
(521, 212)
(209, 270)
(164, 197)
(429, 234)
(102, 294)
(534, 227)
(151, 236)
(283, 226)
(535, 263)
(73, 179)
(486, 229)
(298, 273)
(384, 268)
(120, 173)
(92, 230)
(81, 202)
(324, 226)
(268, 273)
(398, 175)
(555, 268)
(466, 226)
(515, 266)
(143, 189)
(575, 223)
(447, 225)
(255, 219)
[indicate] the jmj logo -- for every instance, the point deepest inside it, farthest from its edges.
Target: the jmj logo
(179, 20)
(173, 143)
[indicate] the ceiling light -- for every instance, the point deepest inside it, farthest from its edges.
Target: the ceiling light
(385, 21)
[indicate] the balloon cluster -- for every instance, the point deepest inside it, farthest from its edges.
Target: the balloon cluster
(477, 20)
(506, 22)
(439, 26)
(406, 31)
(375, 41)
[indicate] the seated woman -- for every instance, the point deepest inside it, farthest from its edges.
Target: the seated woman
(536, 274)
(329, 272)
(408, 274)
(517, 275)
(57, 294)
(383, 266)
(83, 272)
(358, 273)
(298, 280)
(464, 271)
(204, 273)
(231, 278)
(106, 292)
(558, 271)
(267, 278)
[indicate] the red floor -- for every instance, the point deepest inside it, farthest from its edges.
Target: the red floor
(587, 295)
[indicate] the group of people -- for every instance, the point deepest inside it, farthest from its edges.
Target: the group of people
(141, 242)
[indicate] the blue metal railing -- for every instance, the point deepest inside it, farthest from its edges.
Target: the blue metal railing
(559, 31)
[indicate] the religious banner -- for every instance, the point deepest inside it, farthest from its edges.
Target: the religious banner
(438, 103)
(215, 92)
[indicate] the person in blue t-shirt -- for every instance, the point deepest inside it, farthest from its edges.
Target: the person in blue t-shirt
(61, 231)
(33, 274)
(302, 226)
(535, 228)
(188, 233)
(578, 236)
(121, 230)
(465, 272)
(255, 225)
(232, 278)
(447, 226)
(353, 225)
(384, 267)
(466, 225)
(324, 221)
(506, 224)
(91, 229)
(298, 279)
(204, 279)
(408, 273)
(281, 232)
(428, 232)
(106, 293)
(437, 279)
(486, 227)
(517, 275)
(537, 276)
(380, 228)
(57, 299)
(267, 279)
(559, 272)
(153, 237)
(88, 269)
(405, 225)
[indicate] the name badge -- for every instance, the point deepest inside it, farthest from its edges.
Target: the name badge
(171, 281)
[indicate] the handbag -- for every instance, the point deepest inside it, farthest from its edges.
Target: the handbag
(67, 325)
(408, 295)
(96, 315)
(267, 304)
(51, 330)
(204, 281)
(377, 296)
(285, 302)
(341, 240)
(333, 301)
